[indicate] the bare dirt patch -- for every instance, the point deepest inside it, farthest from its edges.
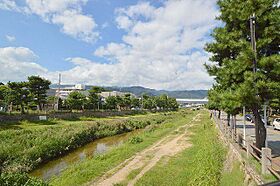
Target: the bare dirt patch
(148, 158)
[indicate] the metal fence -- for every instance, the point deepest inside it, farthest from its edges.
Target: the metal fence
(263, 156)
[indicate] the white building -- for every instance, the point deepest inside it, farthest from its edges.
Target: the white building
(64, 92)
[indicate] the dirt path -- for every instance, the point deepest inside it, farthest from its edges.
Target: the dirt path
(146, 159)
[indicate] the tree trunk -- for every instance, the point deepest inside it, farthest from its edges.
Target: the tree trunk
(228, 119)
(219, 115)
(260, 130)
(234, 123)
(39, 106)
(22, 108)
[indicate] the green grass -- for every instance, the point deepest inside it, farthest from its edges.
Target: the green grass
(90, 169)
(256, 165)
(201, 164)
(235, 177)
(25, 145)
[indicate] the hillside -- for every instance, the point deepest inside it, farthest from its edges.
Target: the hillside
(138, 91)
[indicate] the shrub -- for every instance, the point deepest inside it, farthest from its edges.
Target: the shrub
(19, 179)
(135, 140)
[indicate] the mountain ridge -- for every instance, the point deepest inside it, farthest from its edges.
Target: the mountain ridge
(139, 90)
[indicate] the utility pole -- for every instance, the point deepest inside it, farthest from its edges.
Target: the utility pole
(244, 125)
(58, 93)
(253, 40)
(265, 123)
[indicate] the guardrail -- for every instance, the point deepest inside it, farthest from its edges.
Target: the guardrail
(263, 156)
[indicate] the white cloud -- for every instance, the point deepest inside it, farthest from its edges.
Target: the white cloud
(10, 38)
(65, 13)
(17, 63)
(77, 25)
(12, 6)
(162, 47)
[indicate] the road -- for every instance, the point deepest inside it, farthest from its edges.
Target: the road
(273, 136)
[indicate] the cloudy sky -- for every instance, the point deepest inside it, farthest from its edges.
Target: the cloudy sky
(157, 44)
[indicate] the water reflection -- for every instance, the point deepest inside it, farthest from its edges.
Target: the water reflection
(96, 147)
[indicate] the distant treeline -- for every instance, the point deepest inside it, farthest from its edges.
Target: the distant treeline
(32, 95)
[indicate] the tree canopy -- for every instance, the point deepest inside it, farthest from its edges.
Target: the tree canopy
(232, 58)
(38, 88)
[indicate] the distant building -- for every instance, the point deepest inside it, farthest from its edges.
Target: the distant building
(191, 102)
(113, 93)
(64, 92)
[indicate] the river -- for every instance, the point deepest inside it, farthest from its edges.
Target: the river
(99, 146)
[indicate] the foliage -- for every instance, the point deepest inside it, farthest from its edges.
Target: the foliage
(19, 179)
(236, 84)
(34, 143)
(19, 94)
(111, 102)
(76, 100)
(4, 95)
(94, 97)
(135, 102)
(38, 88)
(162, 102)
(135, 140)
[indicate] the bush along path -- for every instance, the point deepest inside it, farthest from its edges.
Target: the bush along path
(90, 170)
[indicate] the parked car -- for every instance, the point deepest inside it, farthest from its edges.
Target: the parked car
(249, 117)
(276, 124)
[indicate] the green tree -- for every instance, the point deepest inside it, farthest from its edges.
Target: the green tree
(38, 87)
(149, 103)
(135, 102)
(127, 101)
(215, 100)
(233, 57)
(94, 97)
(111, 102)
(19, 94)
(162, 101)
(76, 100)
(172, 103)
(4, 95)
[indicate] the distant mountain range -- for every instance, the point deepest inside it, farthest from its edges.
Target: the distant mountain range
(138, 91)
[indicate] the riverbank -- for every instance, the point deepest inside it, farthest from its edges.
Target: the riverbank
(27, 144)
(91, 169)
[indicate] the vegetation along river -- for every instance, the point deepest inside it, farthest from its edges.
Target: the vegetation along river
(99, 146)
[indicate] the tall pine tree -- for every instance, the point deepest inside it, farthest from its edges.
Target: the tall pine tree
(233, 57)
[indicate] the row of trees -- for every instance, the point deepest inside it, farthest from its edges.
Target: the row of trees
(237, 83)
(21, 94)
(33, 94)
(78, 101)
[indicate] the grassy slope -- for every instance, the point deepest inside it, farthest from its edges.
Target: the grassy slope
(90, 169)
(233, 178)
(25, 145)
(200, 164)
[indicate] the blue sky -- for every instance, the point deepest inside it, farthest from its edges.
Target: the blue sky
(157, 44)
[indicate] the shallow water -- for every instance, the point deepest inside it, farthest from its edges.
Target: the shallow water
(99, 146)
